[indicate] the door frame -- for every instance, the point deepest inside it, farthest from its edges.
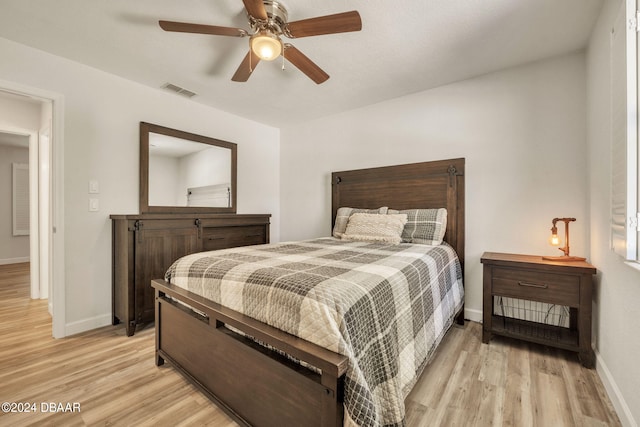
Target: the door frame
(56, 233)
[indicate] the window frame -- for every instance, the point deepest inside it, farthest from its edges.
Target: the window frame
(624, 133)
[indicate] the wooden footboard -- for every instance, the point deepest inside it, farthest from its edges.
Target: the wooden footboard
(253, 384)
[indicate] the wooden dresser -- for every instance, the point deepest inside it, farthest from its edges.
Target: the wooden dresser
(144, 246)
(552, 283)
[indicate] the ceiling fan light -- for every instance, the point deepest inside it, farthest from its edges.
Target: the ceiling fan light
(266, 46)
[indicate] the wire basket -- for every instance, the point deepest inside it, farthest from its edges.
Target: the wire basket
(530, 317)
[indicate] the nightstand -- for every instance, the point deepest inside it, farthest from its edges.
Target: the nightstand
(535, 282)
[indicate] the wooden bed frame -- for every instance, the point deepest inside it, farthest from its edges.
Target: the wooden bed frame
(257, 386)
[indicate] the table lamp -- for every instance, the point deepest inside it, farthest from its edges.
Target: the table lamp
(555, 241)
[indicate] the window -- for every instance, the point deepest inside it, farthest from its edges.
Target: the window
(624, 133)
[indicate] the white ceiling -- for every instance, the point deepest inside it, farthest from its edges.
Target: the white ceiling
(405, 46)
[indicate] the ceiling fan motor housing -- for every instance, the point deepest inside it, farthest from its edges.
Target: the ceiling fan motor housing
(277, 18)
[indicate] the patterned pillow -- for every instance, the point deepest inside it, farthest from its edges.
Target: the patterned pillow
(343, 214)
(425, 226)
(375, 228)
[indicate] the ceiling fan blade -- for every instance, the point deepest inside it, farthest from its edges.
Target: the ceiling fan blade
(329, 24)
(256, 9)
(184, 27)
(246, 67)
(304, 64)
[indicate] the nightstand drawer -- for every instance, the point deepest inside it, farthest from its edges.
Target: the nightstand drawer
(230, 237)
(537, 286)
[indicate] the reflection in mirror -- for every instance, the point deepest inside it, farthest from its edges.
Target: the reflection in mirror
(184, 172)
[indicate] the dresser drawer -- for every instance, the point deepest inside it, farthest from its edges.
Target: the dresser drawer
(230, 237)
(537, 286)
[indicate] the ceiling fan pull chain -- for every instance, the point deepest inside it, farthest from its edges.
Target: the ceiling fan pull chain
(250, 68)
(283, 59)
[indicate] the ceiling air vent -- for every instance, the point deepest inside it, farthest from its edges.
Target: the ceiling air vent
(179, 90)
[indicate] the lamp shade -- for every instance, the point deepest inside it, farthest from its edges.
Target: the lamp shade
(266, 46)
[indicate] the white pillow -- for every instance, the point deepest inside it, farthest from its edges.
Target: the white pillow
(343, 214)
(375, 228)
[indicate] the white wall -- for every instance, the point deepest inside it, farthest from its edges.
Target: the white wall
(12, 248)
(521, 130)
(20, 112)
(102, 115)
(617, 300)
(164, 173)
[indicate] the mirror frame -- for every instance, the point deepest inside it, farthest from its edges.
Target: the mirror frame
(145, 129)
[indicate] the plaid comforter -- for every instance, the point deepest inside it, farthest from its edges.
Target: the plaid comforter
(385, 307)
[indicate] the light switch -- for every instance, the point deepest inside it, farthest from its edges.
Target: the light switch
(94, 188)
(94, 205)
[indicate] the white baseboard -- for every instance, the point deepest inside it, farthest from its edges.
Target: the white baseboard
(14, 260)
(87, 324)
(622, 409)
(473, 315)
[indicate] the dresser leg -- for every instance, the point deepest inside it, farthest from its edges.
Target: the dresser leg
(131, 328)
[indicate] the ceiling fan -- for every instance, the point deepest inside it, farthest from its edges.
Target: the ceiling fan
(268, 22)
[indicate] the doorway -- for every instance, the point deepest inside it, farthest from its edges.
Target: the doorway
(46, 238)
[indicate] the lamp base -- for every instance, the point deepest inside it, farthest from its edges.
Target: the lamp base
(564, 258)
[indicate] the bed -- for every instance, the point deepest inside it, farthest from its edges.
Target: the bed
(262, 375)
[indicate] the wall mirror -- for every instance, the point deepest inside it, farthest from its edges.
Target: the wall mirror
(182, 172)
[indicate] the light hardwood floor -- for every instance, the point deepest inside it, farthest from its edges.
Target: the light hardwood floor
(114, 380)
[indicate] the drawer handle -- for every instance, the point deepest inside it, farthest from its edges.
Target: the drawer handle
(533, 285)
(254, 235)
(216, 238)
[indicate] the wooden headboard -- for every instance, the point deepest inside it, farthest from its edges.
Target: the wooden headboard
(438, 184)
